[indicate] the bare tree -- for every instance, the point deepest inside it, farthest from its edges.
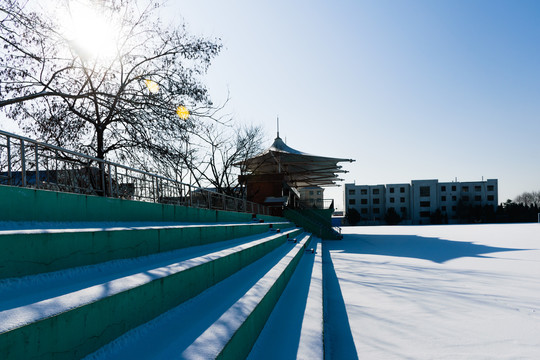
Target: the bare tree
(529, 198)
(121, 100)
(213, 159)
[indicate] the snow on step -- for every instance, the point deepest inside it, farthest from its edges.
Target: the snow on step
(214, 340)
(14, 227)
(311, 336)
(23, 315)
(17, 292)
(166, 336)
(295, 327)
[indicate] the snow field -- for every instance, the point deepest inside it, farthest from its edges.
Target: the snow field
(441, 292)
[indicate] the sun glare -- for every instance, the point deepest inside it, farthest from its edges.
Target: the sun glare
(90, 31)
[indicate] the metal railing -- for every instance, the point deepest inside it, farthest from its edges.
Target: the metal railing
(311, 212)
(317, 203)
(30, 163)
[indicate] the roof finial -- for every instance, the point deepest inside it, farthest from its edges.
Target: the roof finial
(278, 126)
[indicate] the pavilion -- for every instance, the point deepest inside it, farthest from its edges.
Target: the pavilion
(274, 176)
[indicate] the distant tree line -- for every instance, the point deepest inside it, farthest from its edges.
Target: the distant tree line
(524, 208)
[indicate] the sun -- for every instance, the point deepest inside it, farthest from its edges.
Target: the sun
(90, 29)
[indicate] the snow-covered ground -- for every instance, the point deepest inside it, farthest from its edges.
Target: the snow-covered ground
(435, 292)
(390, 292)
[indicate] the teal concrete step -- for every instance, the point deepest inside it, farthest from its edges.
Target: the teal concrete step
(33, 251)
(234, 333)
(222, 322)
(294, 330)
(24, 204)
(206, 325)
(68, 323)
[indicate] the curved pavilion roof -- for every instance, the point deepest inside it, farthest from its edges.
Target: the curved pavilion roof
(302, 169)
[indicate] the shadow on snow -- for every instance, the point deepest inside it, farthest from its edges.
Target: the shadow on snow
(412, 246)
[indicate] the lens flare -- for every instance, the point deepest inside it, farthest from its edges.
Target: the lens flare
(182, 112)
(152, 86)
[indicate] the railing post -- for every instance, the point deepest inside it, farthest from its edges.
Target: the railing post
(110, 180)
(116, 180)
(23, 164)
(154, 185)
(37, 165)
(8, 143)
(102, 171)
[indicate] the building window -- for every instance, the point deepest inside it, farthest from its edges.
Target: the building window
(477, 198)
(465, 188)
(443, 198)
(424, 204)
(402, 189)
(376, 210)
(318, 192)
(443, 208)
(376, 201)
(363, 191)
(403, 210)
(453, 188)
(424, 190)
(392, 200)
(465, 198)
(391, 190)
(311, 192)
(454, 208)
(402, 199)
(363, 201)
(443, 188)
(490, 197)
(363, 211)
(351, 192)
(351, 201)
(375, 191)
(477, 188)
(424, 213)
(490, 188)
(454, 198)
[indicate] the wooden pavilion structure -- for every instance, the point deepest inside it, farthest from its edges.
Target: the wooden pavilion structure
(274, 176)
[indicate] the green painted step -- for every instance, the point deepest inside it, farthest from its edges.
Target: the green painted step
(98, 319)
(28, 252)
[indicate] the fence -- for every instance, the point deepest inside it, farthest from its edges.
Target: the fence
(317, 203)
(29, 163)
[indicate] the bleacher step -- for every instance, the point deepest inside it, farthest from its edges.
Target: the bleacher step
(91, 317)
(234, 333)
(294, 330)
(33, 251)
(214, 324)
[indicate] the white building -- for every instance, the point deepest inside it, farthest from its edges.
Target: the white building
(369, 200)
(312, 196)
(416, 202)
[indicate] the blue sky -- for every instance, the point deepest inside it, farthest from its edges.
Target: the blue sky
(415, 89)
(410, 89)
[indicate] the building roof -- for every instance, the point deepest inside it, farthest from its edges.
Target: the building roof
(302, 169)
